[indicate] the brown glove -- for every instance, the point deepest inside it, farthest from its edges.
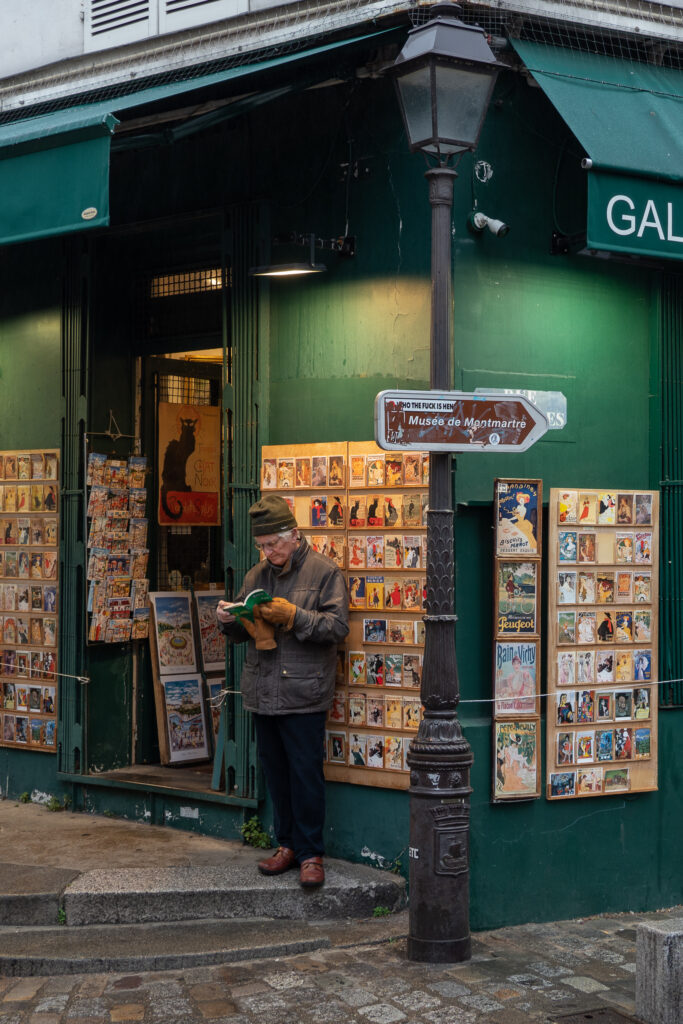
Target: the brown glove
(263, 633)
(279, 612)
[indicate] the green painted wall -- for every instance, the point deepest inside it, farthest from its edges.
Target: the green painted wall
(30, 410)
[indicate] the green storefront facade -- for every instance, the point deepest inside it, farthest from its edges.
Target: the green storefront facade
(303, 363)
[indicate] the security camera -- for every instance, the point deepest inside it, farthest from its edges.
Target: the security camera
(478, 221)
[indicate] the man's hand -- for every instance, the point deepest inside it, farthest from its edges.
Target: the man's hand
(263, 633)
(223, 613)
(279, 612)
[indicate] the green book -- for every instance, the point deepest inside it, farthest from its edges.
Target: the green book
(245, 609)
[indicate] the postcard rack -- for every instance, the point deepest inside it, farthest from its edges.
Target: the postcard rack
(602, 642)
(366, 510)
(516, 649)
(29, 588)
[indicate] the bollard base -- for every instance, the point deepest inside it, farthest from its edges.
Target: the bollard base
(439, 951)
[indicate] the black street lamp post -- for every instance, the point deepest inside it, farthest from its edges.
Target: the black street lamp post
(444, 77)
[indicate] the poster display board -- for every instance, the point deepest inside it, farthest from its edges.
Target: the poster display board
(29, 598)
(602, 642)
(517, 579)
(366, 510)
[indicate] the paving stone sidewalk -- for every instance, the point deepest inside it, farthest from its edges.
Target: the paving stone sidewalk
(535, 972)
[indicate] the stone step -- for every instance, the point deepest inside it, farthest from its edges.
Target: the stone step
(31, 951)
(143, 895)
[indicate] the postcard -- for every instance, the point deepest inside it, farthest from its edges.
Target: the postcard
(516, 759)
(563, 783)
(357, 475)
(642, 744)
(624, 548)
(565, 711)
(625, 513)
(374, 551)
(605, 587)
(173, 631)
(302, 472)
(392, 512)
(357, 592)
(337, 712)
(375, 631)
(623, 703)
(374, 669)
(393, 665)
(642, 587)
(642, 663)
(585, 627)
(642, 622)
(412, 473)
(516, 517)
(336, 747)
(413, 590)
(604, 742)
(285, 473)
(587, 547)
(357, 552)
(357, 704)
(616, 780)
(623, 586)
(357, 668)
(623, 744)
(516, 598)
(641, 702)
(393, 551)
(585, 706)
(319, 510)
(515, 677)
(643, 549)
(605, 628)
(358, 749)
(374, 711)
(607, 509)
(589, 781)
(643, 509)
(393, 594)
(565, 748)
(401, 632)
(567, 511)
(394, 469)
(412, 670)
(624, 666)
(584, 746)
(357, 511)
(318, 470)
(335, 512)
(586, 587)
(412, 552)
(566, 588)
(585, 666)
(567, 545)
(411, 510)
(375, 470)
(393, 752)
(566, 627)
(412, 709)
(588, 509)
(375, 751)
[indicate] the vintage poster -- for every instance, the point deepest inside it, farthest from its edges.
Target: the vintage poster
(174, 635)
(189, 465)
(517, 519)
(516, 760)
(515, 678)
(210, 637)
(516, 593)
(186, 719)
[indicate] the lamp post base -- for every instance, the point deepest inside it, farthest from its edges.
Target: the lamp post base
(439, 951)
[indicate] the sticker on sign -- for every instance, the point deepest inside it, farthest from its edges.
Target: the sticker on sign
(456, 421)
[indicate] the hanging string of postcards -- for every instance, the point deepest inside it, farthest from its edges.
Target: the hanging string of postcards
(118, 585)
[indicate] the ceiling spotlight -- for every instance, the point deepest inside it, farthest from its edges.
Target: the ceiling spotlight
(479, 221)
(343, 246)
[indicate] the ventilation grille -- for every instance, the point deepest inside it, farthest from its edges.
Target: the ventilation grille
(175, 15)
(111, 15)
(182, 5)
(117, 22)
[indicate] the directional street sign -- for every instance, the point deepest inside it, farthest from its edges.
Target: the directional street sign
(456, 421)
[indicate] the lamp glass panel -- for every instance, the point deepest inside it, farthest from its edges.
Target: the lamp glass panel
(416, 100)
(461, 100)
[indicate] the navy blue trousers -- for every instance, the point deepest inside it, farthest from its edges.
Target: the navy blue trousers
(290, 749)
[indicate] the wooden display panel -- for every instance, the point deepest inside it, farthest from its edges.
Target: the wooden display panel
(516, 649)
(602, 642)
(369, 517)
(29, 598)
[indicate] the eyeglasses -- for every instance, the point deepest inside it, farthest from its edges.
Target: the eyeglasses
(268, 545)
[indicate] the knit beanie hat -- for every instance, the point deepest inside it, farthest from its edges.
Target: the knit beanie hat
(271, 514)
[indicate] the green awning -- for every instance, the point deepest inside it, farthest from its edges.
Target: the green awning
(54, 174)
(629, 119)
(54, 168)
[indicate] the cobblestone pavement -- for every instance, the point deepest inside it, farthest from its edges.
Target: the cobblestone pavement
(535, 972)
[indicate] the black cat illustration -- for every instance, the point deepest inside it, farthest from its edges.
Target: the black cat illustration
(176, 455)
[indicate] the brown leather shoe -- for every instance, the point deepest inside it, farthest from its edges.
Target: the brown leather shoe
(312, 872)
(282, 860)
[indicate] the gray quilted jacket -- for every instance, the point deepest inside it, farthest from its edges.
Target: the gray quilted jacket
(298, 676)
